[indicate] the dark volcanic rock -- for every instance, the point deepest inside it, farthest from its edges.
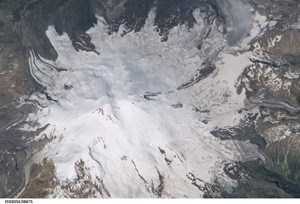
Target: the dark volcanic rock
(201, 74)
(168, 15)
(176, 12)
(245, 131)
(131, 17)
(33, 19)
(76, 17)
(73, 17)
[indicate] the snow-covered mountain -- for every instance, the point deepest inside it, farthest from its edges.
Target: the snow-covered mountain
(156, 105)
(138, 112)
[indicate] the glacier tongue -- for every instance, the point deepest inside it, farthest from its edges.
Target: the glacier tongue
(121, 111)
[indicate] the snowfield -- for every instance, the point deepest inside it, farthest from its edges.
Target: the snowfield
(122, 111)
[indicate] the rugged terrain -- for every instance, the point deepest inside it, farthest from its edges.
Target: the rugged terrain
(185, 98)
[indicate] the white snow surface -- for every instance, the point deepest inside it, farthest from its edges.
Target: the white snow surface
(105, 120)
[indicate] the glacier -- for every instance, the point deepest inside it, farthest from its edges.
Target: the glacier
(125, 112)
